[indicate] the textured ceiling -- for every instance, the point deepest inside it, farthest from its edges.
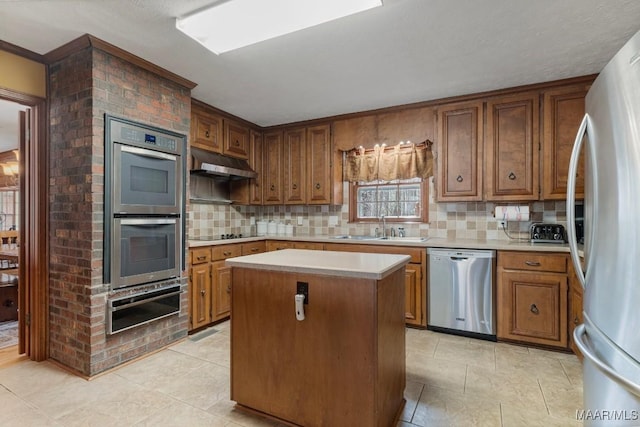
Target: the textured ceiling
(406, 51)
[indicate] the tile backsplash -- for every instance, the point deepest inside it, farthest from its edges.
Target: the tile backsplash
(463, 220)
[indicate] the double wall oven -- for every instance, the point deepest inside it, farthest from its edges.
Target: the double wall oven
(144, 222)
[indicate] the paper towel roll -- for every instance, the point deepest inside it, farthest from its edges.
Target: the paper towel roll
(512, 213)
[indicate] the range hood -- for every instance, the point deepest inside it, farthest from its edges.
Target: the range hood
(215, 165)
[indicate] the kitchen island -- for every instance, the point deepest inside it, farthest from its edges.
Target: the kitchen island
(338, 362)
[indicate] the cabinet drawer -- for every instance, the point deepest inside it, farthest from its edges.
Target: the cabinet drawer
(226, 251)
(533, 261)
(277, 245)
(200, 256)
(253, 248)
(414, 253)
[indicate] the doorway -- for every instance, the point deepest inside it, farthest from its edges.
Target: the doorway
(23, 227)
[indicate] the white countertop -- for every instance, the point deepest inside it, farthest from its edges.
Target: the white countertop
(503, 245)
(329, 263)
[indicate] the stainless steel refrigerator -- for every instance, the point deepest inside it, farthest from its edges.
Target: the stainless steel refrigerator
(609, 339)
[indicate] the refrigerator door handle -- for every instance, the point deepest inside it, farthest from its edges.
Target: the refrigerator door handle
(578, 335)
(571, 199)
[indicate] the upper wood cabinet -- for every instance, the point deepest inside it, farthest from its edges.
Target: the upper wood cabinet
(318, 165)
(206, 130)
(459, 152)
(563, 110)
(249, 191)
(272, 168)
(512, 147)
(295, 144)
(236, 139)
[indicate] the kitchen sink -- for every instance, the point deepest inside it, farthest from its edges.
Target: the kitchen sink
(404, 239)
(391, 239)
(350, 237)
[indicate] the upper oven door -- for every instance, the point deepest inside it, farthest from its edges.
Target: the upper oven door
(145, 181)
(145, 250)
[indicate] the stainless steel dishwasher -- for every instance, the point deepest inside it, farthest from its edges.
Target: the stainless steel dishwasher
(461, 292)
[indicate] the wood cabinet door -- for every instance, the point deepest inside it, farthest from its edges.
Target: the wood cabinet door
(272, 169)
(512, 148)
(222, 290)
(318, 165)
(459, 156)
(206, 131)
(532, 308)
(255, 161)
(236, 139)
(295, 142)
(200, 295)
(563, 110)
(413, 294)
(575, 309)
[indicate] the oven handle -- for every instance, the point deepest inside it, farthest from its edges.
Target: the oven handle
(148, 153)
(148, 221)
(143, 301)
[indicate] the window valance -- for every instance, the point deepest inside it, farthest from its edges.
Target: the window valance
(402, 161)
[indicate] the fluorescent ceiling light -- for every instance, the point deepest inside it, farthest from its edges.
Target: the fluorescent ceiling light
(233, 24)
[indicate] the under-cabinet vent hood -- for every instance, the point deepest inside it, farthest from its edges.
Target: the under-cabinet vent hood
(216, 165)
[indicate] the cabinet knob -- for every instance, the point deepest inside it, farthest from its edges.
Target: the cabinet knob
(229, 288)
(206, 134)
(459, 178)
(236, 143)
(294, 186)
(317, 185)
(512, 176)
(534, 309)
(273, 187)
(202, 292)
(576, 320)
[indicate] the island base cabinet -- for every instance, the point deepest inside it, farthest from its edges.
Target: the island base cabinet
(343, 365)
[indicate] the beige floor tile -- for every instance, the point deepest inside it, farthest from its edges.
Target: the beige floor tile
(215, 348)
(181, 414)
(435, 372)
(573, 370)
(200, 388)
(517, 415)
(562, 400)
(470, 352)
(441, 407)
(227, 410)
(28, 377)
(504, 387)
(422, 340)
(412, 393)
(531, 364)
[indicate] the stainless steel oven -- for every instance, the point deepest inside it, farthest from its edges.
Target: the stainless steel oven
(146, 170)
(145, 250)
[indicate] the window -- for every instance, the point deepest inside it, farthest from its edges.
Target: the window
(398, 201)
(9, 200)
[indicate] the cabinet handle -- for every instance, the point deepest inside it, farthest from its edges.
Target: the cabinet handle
(226, 253)
(200, 258)
(254, 249)
(294, 186)
(576, 320)
(459, 178)
(229, 288)
(534, 309)
(317, 185)
(532, 263)
(237, 143)
(202, 292)
(512, 176)
(273, 187)
(206, 134)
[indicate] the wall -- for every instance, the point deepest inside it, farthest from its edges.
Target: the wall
(22, 75)
(83, 87)
(470, 220)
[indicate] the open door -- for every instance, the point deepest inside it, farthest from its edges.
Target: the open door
(23, 290)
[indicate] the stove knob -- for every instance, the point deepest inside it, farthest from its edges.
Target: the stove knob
(222, 236)
(556, 236)
(239, 235)
(536, 235)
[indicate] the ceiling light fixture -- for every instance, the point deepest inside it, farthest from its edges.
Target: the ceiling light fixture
(233, 24)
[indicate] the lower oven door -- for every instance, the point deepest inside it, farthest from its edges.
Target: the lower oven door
(145, 250)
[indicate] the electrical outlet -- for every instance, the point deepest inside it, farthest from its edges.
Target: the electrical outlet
(503, 224)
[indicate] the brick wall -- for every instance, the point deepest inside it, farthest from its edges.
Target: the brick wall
(83, 87)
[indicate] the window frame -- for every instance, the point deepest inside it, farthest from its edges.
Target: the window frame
(353, 204)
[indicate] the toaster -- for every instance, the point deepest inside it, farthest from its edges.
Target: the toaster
(547, 233)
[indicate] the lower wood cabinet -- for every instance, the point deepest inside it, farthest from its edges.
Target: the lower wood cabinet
(415, 276)
(210, 281)
(532, 297)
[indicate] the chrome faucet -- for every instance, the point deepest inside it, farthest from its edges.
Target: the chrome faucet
(384, 227)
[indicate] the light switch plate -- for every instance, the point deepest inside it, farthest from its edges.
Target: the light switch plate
(299, 220)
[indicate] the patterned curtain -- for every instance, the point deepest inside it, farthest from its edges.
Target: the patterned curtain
(402, 161)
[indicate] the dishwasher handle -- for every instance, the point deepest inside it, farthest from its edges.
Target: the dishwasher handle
(458, 258)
